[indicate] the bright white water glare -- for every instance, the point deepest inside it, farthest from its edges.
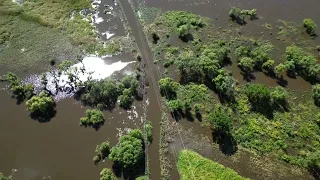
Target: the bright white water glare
(95, 67)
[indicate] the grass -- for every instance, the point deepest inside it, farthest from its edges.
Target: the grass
(193, 166)
(35, 32)
(291, 135)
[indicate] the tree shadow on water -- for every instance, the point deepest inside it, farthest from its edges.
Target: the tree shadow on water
(227, 143)
(129, 173)
(43, 117)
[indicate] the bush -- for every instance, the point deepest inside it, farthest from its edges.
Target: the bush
(126, 100)
(224, 83)
(278, 95)
(316, 93)
(168, 87)
(107, 174)
(128, 152)
(41, 104)
(221, 120)
(246, 64)
(310, 26)
(258, 94)
(102, 151)
(94, 118)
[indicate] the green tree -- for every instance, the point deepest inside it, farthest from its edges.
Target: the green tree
(224, 83)
(220, 119)
(258, 94)
(41, 104)
(268, 65)
(278, 95)
(126, 99)
(137, 133)
(184, 30)
(128, 152)
(107, 174)
(94, 118)
(175, 105)
(168, 87)
(246, 64)
(102, 151)
(280, 70)
(316, 93)
(149, 131)
(310, 26)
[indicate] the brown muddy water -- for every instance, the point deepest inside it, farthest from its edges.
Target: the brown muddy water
(63, 150)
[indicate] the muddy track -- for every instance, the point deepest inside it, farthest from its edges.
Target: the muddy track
(153, 76)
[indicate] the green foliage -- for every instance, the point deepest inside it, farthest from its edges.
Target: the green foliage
(280, 69)
(148, 129)
(258, 94)
(175, 105)
(128, 151)
(102, 151)
(107, 174)
(168, 87)
(101, 92)
(238, 15)
(316, 93)
(126, 99)
(2, 177)
(221, 120)
(136, 133)
(246, 64)
(310, 26)
(94, 118)
(193, 166)
(224, 83)
(41, 104)
(278, 94)
(268, 65)
(304, 64)
(19, 90)
(142, 178)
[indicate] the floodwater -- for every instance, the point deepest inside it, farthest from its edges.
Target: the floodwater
(63, 150)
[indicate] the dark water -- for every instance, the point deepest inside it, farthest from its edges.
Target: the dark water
(64, 150)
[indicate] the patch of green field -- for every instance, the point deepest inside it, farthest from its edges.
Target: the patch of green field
(193, 166)
(32, 46)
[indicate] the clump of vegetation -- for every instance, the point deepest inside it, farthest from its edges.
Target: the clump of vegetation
(105, 93)
(19, 90)
(221, 120)
(238, 15)
(94, 118)
(107, 174)
(42, 106)
(148, 129)
(193, 166)
(302, 63)
(316, 94)
(310, 26)
(129, 151)
(102, 151)
(2, 177)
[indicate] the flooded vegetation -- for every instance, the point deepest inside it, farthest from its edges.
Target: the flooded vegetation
(121, 89)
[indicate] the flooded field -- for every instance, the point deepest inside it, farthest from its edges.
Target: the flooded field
(61, 149)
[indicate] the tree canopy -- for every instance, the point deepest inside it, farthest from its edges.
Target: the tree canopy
(107, 174)
(128, 152)
(102, 151)
(94, 118)
(221, 120)
(310, 26)
(42, 105)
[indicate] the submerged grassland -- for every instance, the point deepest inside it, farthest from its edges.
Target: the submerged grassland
(195, 58)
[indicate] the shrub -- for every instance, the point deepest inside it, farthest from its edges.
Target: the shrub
(278, 95)
(257, 93)
(221, 120)
(94, 118)
(128, 151)
(316, 93)
(107, 174)
(310, 26)
(102, 151)
(41, 104)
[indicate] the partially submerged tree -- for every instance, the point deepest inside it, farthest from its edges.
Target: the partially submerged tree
(316, 94)
(310, 26)
(221, 120)
(42, 106)
(107, 174)
(94, 118)
(102, 151)
(128, 152)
